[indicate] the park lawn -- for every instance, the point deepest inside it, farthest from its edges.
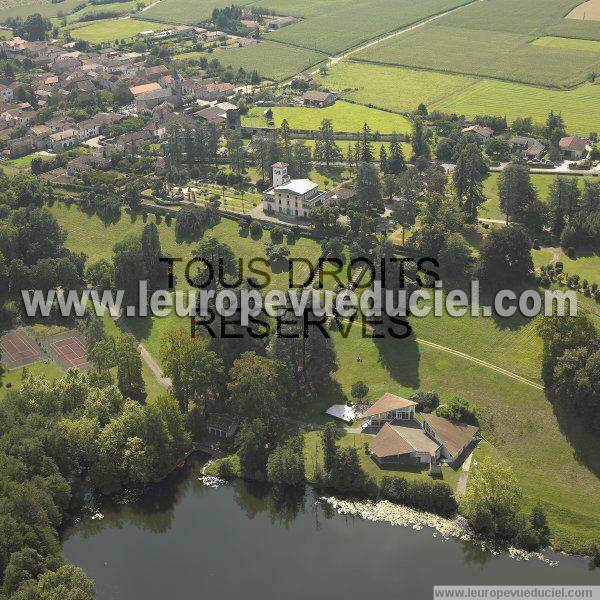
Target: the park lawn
(394, 88)
(89, 235)
(586, 265)
(490, 209)
(570, 43)
(46, 368)
(313, 456)
(515, 418)
(107, 30)
(345, 116)
(271, 60)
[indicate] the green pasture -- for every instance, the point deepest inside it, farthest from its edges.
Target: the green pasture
(344, 116)
(24, 8)
(107, 30)
(184, 11)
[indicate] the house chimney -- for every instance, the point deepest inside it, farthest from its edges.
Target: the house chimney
(280, 174)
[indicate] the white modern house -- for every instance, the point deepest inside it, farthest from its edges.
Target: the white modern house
(293, 197)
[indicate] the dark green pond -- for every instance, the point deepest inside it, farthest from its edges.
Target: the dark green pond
(185, 540)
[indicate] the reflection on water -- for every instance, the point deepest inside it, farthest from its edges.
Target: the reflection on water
(183, 539)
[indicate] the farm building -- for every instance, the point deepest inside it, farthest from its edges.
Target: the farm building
(572, 147)
(318, 99)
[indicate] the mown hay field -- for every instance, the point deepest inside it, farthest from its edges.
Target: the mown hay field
(271, 60)
(345, 116)
(108, 30)
(550, 41)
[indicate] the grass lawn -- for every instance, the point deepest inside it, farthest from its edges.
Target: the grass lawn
(344, 116)
(271, 60)
(89, 235)
(122, 8)
(491, 208)
(517, 420)
(586, 265)
(313, 455)
(14, 166)
(107, 30)
(46, 368)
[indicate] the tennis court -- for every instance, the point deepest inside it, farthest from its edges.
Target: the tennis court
(18, 349)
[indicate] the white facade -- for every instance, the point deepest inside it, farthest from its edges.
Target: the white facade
(293, 197)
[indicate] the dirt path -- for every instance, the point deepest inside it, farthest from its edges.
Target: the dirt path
(150, 6)
(461, 484)
(483, 363)
(152, 363)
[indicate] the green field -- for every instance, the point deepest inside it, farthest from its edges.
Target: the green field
(122, 8)
(337, 25)
(496, 54)
(402, 89)
(271, 60)
(89, 235)
(14, 377)
(24, 8)
(345, 116)
(185, 11)
(568, 43)
(393, 87)
(493, 39)
(108, 30)
(491, 208)
(516, 419)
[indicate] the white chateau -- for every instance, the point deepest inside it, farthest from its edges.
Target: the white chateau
(294, 197)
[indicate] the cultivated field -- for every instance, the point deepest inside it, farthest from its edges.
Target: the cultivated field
(107, 30)
(549, 41)
(394, 88)
(492, 39)
(344, 116)
(271, 60)
(337, 25)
